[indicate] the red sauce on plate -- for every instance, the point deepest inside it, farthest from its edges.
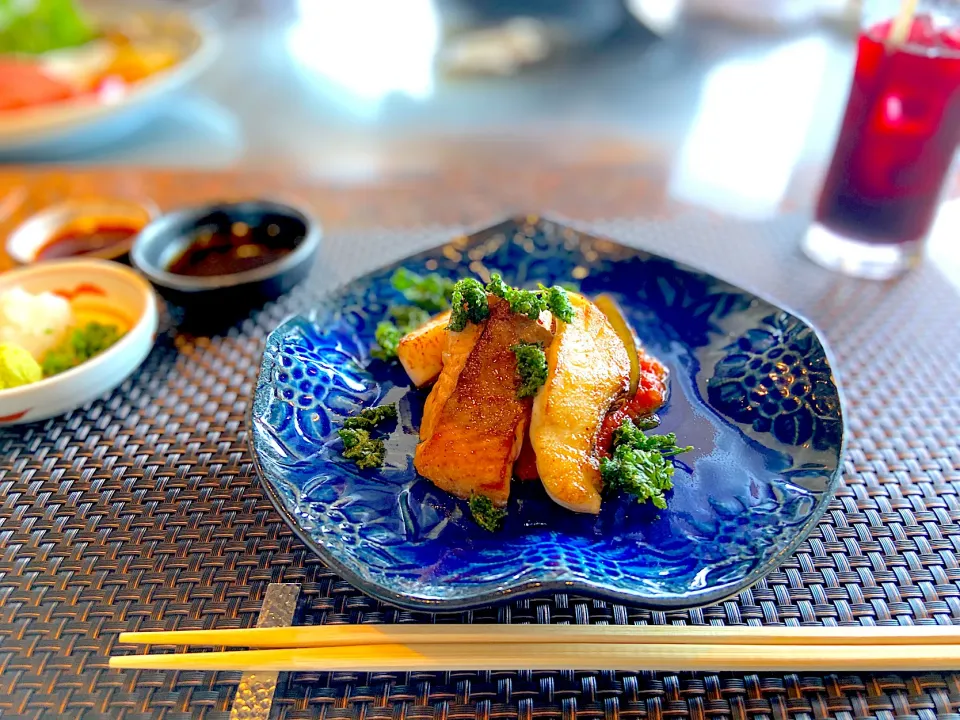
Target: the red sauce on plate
(87, 240)
(650, 396)
(525, 468)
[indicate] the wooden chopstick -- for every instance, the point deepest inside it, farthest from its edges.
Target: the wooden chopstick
(344, 635)
(577, 656)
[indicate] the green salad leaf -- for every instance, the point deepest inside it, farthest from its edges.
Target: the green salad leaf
(38, 26)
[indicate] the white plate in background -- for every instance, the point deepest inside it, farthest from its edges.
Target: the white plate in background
(34, 128)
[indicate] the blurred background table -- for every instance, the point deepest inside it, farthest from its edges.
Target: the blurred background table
(735, 115)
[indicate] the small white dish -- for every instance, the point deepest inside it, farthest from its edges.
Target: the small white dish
(26, 242)
(95, 288)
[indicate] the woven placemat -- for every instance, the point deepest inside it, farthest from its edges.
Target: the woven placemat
(142, 511)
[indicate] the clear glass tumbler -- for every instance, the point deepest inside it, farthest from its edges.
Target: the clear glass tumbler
(896, 145)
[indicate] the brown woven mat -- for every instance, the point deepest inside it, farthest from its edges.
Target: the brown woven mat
(142, 511)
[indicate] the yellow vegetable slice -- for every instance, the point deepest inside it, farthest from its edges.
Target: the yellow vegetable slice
(609, 307)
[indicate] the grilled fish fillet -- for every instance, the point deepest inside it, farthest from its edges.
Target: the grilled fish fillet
(472, 435)
(456, 352)
(588, 369)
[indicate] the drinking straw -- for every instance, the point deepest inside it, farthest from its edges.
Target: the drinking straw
(902, 24)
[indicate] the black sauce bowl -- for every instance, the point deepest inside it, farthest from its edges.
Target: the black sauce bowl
(229, 296)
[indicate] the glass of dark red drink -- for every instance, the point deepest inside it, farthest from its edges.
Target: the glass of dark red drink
(896, 145)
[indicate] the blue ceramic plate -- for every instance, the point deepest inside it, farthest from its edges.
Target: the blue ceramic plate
(751, 389)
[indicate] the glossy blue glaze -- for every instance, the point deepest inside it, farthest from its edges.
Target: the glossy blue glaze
(751, 389)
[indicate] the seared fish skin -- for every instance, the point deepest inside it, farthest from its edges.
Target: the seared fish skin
(587, 370)
(471, 440)
(456, 352)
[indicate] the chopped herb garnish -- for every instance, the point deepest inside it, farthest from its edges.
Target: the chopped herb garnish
(531, 367)
(557, 302)
(428, 293)
(469, 304)
(369, 418)
(431, 292)
(389, 333)
(498, 287)
(358, 445)
(522, 302)
(533, 302)
(640, 464)
(409, 316)
(486, 514)
(80, 345)
(388, 337)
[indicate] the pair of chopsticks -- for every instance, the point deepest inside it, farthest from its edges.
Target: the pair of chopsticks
(409, 648)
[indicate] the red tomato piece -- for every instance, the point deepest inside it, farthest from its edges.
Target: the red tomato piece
(25, 85)
(651, 392)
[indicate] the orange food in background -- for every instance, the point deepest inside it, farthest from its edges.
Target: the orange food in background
(25, 85)
(28, 84)
(133, 62)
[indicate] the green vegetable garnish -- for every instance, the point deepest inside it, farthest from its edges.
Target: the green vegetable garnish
(469, 304)
(358, 446)
(428, 292)
(365, 451)
(468, 297)
(408, 316)
(557, 302)
(522, 302)
(486, 514)
(640, 464)
(389, 332)
(40, 26)
(80, 345)
(388, 337)
(533, 302)
(369, 418)
(532, 368)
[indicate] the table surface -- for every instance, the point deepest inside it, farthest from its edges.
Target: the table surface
(143, 510)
